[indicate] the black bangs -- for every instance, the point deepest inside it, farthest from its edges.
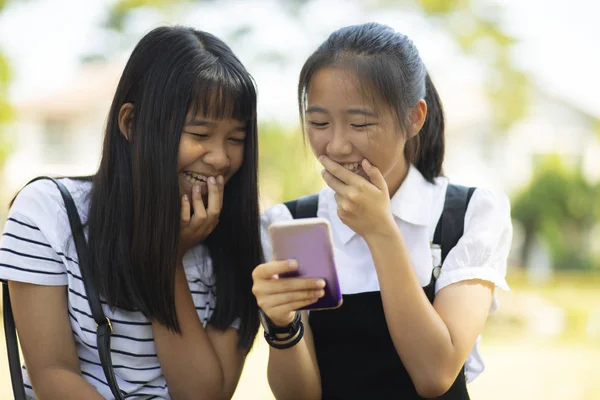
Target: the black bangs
(224, 91)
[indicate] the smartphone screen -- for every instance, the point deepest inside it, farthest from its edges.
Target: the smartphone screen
(308, 241)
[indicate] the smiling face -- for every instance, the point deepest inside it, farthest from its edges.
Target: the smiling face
(209, 147)
(343, 124)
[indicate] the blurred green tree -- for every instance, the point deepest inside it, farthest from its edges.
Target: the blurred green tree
(286, 170)
(562, 207)
(5, 109)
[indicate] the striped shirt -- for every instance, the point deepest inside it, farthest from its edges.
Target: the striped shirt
(37, 247)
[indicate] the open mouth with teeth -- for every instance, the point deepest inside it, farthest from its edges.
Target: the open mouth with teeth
(356, 167)
(190, 179)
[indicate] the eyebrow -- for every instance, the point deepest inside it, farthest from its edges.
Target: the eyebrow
(201, 122)
(350, 111)
(316, 109)
(361, 111)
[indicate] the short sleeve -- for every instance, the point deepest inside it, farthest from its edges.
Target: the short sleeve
(276, 213)
(28, 246)
(482, 252)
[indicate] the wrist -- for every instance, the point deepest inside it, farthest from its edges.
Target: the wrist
(281, 323)
(280, 331)
(286, 340)
(386, 230)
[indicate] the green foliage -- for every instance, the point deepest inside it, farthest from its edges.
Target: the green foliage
(5, 109)
(122, 8)
(287, 168)
(562, 207)
(475, 26)
(442, 6)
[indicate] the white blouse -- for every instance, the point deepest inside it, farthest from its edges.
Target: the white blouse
(481, 253)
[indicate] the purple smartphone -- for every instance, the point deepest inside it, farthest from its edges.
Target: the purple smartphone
(308, 241)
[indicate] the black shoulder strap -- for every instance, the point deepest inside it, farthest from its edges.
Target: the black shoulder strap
(450, 227)
(12, 348)
(304, 207)
(104, 326)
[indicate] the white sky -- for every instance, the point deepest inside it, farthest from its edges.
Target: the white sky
(559, 43)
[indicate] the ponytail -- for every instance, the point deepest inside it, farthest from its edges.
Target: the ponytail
(428, 149)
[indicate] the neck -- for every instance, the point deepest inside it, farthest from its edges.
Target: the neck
(396, 176)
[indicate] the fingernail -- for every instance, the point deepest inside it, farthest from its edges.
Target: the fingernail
(320, 283)
(196, 188)
(321, 158)
(212, 180)
(185, 197)
(323, 171)
(220, 179)
(320, 293)
(367, 163)
(293, 263)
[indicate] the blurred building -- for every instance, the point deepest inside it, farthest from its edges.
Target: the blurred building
(60, 134)
(477, 155)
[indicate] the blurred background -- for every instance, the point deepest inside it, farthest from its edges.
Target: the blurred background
(520, 87)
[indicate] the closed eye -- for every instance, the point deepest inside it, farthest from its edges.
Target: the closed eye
(238, 140)
(198, 135)
(360, 126)
(318, 124)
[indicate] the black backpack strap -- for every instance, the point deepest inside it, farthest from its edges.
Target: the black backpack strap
(450, 227)
(304, 207)
(104, 326)
(12, 347)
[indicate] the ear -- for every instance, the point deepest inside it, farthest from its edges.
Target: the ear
(126, 119)
(417, 117)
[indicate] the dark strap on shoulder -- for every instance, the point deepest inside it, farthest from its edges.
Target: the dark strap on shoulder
(104, 326)
(304, 207)
(450, 227)
(10, 333)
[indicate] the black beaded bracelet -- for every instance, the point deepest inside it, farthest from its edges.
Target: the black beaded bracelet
(282, 346)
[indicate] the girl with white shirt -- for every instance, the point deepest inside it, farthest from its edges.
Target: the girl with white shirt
(411, 316)
(172, 223)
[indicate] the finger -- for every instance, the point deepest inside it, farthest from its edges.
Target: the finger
(215, 199)
(199, 210)
(342, 203)
(333, 182)
(295, 306)
(282, 299)
(374, 175)
(341, 173)
(290, 285)
(185, 209)
(269, 269)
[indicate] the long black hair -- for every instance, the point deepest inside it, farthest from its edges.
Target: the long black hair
(388, 63)
(134, 215)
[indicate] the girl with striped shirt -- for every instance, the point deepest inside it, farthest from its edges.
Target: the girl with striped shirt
(171, 218)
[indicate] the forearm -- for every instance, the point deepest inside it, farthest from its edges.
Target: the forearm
(293, 374)
(417, 330)
(189, 362)
(63, 384)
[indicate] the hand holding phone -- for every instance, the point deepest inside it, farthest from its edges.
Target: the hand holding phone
(308, 241)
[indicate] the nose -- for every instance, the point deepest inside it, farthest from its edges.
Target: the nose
(217, 157)
(338, 144)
